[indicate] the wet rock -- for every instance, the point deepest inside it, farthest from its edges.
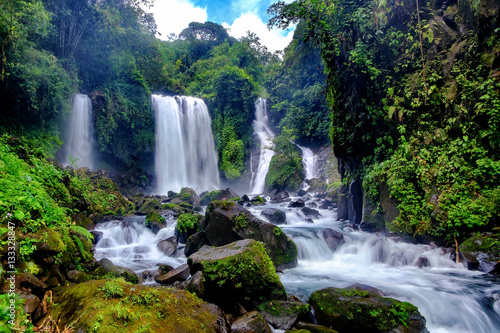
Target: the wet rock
(332, 238)
(107, 267)
(97, 236)
(301, 193)
(423, 262)
(168, 246)
(251, 322)
(78, 276)
(327, 204)
(146, 274)
(365, 287)
(195, 242)
(308, 220)
(227, 222)
(310, 212)
(218, 195)
(258, 201)
(32, 306)
(350, 310)
(164, 268)
(245, 198)
(187, 195)
(27, 281)
(180, 273)
(195, 284)
(278, 197)
(275, 216)
(283, 314)
(297, 203)
(155, 221)
(253, 278)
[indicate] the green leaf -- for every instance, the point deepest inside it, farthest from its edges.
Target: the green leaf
(19, 215)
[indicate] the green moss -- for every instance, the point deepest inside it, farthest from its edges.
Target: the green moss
(277, 309)
(114, 305)
(210, 196)
(284, 173)
(489, 244)
(155, 217)
(169, 206)
(240, 221)
(188, 222)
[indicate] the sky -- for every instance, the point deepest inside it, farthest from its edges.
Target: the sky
(238, 16)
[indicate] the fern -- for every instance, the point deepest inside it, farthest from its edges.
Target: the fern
(82, 232)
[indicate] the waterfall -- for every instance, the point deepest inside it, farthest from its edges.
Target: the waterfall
(79, 137)
(264, 133)
(309, 161)
(185, 152)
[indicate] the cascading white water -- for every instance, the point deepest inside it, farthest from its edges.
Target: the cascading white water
(309, 161)
(264, 133)
(79, 137)
(185, 150)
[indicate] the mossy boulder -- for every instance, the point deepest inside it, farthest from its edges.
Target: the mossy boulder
(107, 268)
(155, 221)
(208, 197)
(237, 273)
(114, 306)
(351, 310)
(251, 322)
(284, 173)
(311, 328)
(186, 195)
(284, 314)
(484, 247)
(187, 225)
(275, 216)
(227, 222)
(148, 205)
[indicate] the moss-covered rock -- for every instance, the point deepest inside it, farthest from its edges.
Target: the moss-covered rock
(251, 322)
(208, 197)
(187, 225)
(155, 221)
(284, 314)
(351, 310)
(237, 273)
(186, 195)
(114, 305)
(148, 205)
(227, 222)
(311, 328)
(284, 174)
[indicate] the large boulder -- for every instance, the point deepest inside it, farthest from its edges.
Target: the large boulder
(332, 238)
(186, 195)
(227, 222)
(106, 267)
(275, 216)
(251, 322)
(116, 306)
(226, 194)
(238, 273)
(155, 221)
(168, 246)
(180, 273)
(357, 311)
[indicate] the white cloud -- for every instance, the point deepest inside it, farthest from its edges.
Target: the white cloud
(272, 39)
(173, 16)
(243, 6)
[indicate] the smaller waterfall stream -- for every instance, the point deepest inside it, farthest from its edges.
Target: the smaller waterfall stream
(79, 137)
(309, 161)
(263, 131)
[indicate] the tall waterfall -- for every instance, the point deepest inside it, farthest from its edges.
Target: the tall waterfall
(309, 161)
(264, 133)
(185, 151)
(79, 138)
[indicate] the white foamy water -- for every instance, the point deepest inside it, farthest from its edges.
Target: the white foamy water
(309, 162)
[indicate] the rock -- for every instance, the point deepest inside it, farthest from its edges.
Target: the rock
(28, 281)
(195, 284)
(195, 242)
(237, 273)
(312, 205)
(163, 269)
(313, 328)
(275, 216)
(364, 287)
(148, 205)
(327, 204)
(251, 322)
(107, 267)
(227, 222)
(332, 238)
(278, 197)
(168, 246)
(31, 303)
(245, 198)
(146, 274)
(180, 273)
(283, 314)
(226, 194)
(423, 262)
(187, 225)
(77, 276)
(301, 193)
(97, 236)
(180, 311)
(81, 220)
(296, 203)
(310, 212)
(187, 195)
(258, 201)
(350, 310)
(155, 221)
(308, 220)
(316, 185)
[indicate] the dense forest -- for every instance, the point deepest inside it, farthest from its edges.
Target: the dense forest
(406, 92)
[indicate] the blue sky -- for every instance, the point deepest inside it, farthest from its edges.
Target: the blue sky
(238, 16)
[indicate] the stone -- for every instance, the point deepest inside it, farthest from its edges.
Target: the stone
(155, 221)
(313, 328)
(423, 262)
(77, 276)
(296, 203)
(106, 266)
(180, 273)
(310, 212)
(195, 284)
(351, 310)
(283, 314)
(332, 238)
(301, 193)
(278, 197)
(188, 196)
(227, 222)
(97, 236)
(237, 273)
(195, 242)
(168, 246)
(251, 322)
(28, 281)
(275, 216)
(326, 204)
